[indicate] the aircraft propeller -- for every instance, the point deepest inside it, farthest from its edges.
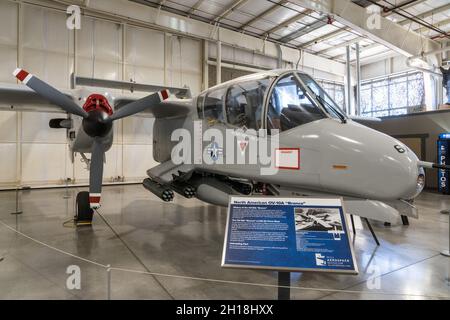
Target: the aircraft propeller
(97, 117)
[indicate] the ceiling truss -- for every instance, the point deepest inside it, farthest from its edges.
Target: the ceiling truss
(303, 28)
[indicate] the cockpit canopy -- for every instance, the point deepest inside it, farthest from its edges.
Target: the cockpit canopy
(282, 102)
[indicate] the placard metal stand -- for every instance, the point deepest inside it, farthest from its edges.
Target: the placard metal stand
(17, 203)
(284, 283)
(67, 195)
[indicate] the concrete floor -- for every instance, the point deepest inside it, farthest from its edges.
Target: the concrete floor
(184, 238)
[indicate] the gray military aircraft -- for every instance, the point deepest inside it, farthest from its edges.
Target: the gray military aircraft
(209, 147)
(321, 151)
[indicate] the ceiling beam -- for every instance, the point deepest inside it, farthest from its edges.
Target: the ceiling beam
(343, 44)
(322, 38)
(263, 14)
(427, 14)
(390, 34)
(304, 30)
(438, 24)
(289, 21)
(368, 47)
(410, 5)
(402, 5)
(195, 7)
(420, 30)
(234, 5)
(403, 22)
(373, 45)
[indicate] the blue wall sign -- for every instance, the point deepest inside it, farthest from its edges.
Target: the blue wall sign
(288, 234)
(443, 158)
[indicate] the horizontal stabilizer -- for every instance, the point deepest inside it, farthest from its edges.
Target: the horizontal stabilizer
(180, 93)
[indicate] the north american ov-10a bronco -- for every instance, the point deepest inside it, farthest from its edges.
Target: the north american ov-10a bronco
(275, 133)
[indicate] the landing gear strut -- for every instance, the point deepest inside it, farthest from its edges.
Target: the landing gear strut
(84, 212)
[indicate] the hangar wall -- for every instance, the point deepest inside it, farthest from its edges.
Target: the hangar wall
(32, 153)
(384, 67)
(421, 128)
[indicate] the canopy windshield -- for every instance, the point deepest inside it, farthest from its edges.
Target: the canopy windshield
(291, 106)
(323, 98)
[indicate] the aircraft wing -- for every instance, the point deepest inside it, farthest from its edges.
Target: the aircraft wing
(184, 92)
(304, 226)
(166, 109)
(166, 172)
(18, 97)
(321, 222)
(15, 97)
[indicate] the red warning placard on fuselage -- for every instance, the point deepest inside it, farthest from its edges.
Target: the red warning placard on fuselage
(287, 158)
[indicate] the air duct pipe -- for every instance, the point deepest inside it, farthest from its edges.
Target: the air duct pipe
(423, 56)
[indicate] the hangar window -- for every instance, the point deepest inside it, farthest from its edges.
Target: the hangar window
(244, 103)
(289, 106)
(212, 103)
(335, 90)
(393, 95)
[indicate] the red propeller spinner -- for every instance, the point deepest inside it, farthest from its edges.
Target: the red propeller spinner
(97, 102)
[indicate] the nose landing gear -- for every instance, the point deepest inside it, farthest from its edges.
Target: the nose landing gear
(84, 212)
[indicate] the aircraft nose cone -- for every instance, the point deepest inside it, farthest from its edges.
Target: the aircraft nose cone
(377, 165)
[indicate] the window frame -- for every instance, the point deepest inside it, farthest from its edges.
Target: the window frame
(337, 86)
(304, 87)
(407, 78)
(202, 98)
(230, 87)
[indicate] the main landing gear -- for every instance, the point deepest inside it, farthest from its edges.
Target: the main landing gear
(84, 212)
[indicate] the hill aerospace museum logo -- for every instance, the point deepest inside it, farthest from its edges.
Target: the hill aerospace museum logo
(320, 260)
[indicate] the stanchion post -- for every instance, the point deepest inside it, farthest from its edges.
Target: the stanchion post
(17, 203)
(108, 284)
(284, 283)
(446, 253)
(66, 195)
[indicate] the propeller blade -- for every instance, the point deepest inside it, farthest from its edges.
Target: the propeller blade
(140, 105)
(96, 174)
(48, 92)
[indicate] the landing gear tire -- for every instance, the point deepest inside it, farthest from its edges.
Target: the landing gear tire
(84, 212)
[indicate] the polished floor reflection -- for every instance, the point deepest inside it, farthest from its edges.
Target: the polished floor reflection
(173, 251)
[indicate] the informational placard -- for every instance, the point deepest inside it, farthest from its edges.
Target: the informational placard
(288, 234)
